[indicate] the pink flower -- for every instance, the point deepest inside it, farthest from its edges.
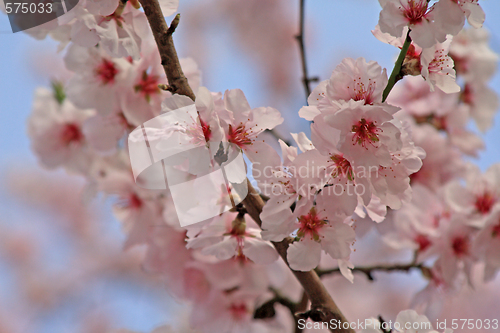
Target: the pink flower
(443, 162)
(207, 127)
(97, 80)
(226, 313)
(140, 100)
(56, 132)
(391, 184)
(469, 8)
(416, 225)
(227, 237)
(396, 15)
(357, 80)
(433, 63)
(119, 35)
(474, 59)
(317, 231)
(138, 209)
(480, 195)
(243, 124)
(367, 135)
(346, 183)
(282, 187)
(437, 68)
(455, 249)
(487, 245)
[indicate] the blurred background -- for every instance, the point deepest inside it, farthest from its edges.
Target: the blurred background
(61, 264)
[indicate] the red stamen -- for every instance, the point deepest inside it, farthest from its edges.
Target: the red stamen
(365, 132)
(239, 136)
(106, 71)
(71, 133)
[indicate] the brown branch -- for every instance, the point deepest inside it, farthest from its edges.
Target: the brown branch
(306, 80)
(163, 37)
(323, 308)
(368, 271)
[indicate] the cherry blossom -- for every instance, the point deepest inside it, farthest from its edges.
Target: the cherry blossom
(389, 177)
(433, 63)
(443, 162)
(317, 231)
(357, 80)
(426, 27)
(96, 83)
(367, 133)
(487, 244)
(480, 195)
(245, 124)
(437, 68)
(471, 9)
(416, 224)
(226, 238)
(56, 132)
(455, 249)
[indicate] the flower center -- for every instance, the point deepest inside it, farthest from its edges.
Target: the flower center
(460, 246)
(106, 71)
(365, 132)
(239, 136)
(71, 133)
(310, 225)
(484, 203)
(147, 85)
(423, 242)
(201, 132)
(342, 167)
(134, 201)
(131, 201)
(439, 62)
(362, 92)
(415, 10)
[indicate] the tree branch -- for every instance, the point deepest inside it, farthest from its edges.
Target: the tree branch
(323, 307)
(369, 270)
(306, 80)
(163, 37)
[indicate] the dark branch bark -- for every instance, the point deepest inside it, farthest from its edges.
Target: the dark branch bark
(163, 37)
(323, 308)
(369, 270)
(306, 80)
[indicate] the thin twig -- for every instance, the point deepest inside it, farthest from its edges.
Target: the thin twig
(369, 270)
(396, 71)
(322, 304)
(267, 310)
(306, 80)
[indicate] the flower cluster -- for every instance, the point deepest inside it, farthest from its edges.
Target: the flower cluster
(358, 160)
(397, 160)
